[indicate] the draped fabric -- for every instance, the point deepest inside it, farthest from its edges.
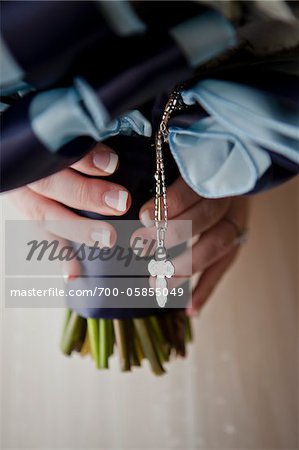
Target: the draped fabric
(227, 151)
(74, 82)
(244, 138)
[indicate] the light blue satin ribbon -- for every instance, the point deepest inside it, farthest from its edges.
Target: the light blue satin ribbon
(121, 17)
(11, 74)
(204, 37)
(57, 117)
(222, 155)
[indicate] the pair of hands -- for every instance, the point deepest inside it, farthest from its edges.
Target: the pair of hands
(51, 198)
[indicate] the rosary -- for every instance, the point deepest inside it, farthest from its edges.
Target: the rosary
(160, 267)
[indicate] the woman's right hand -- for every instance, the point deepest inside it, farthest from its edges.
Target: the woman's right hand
(50, 199)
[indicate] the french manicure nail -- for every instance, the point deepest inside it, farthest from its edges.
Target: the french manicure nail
(117, 200)
(106, 161)
(68, 277)
(101, 236)
(192, 311)
(146, 219)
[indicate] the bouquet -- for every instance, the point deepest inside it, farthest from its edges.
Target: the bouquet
(157, 334)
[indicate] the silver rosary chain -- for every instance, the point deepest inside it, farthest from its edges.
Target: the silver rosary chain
(174, 103)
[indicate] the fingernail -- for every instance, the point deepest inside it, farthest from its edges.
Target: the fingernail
(102, 237)
(68, 277)
(106, 161)
(189, 312)
(193, 313)
(117, 200)
(146, 219)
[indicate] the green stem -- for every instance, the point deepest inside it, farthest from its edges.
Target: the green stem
(85, 350)
(93, 334)
(161, 345)
(179, 327)
(103, 344)
(72, 333)
(166, 326)
(134, 356)
(110, 338)
(138, 346)
(148, 346)
(189, 333)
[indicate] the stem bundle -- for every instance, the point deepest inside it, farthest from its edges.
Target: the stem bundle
(155, 338)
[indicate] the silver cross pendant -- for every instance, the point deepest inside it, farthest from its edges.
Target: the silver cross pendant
(161, 269)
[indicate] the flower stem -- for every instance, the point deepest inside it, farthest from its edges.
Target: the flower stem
(103, 343)
(110, 337)
(122, 344)
(134, 356)
(189, 333)
(85, 350)
(148, 346)
(72, 333)
(159, 338)
(93, 334)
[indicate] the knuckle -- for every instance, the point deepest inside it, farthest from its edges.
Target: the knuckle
(210, 254)
(222, 243)
(37, 212)
(196, 266)
(83, 192)
(212, 250)
(208, 212)
(85, 164)
(177, 234)
(175, 205)
(44, 185)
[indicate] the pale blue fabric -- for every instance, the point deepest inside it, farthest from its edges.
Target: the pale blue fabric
(11, 74)
(204, 37)
(57, 117)
(223, 154)
(121, 17)
(3, 107)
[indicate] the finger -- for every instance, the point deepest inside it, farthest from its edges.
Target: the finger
(211, 246)
(101, 161)
(83, 193)
(238, 212)
(61, 221)
(172, 283)
(209, 280)
(179, 198)
(203, 215)
(71, 267)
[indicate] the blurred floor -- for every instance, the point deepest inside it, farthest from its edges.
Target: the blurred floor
(237, 389)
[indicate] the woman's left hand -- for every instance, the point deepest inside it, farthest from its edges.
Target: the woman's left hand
(220, 223)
